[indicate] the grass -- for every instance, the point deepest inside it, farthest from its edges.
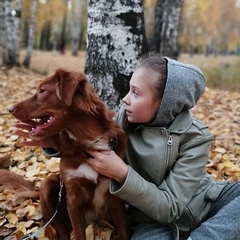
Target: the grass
(225, 76)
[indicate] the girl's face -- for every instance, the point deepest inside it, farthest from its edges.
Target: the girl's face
(141, 101)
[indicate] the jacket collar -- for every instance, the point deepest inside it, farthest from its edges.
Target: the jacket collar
(182, 122)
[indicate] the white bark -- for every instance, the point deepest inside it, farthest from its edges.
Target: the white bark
(10, 30)
(3, 34)
(114, 45)
(17, 21)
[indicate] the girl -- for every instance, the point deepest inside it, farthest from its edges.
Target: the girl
(163, 178)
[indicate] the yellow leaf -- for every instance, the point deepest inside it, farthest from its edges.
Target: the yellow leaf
(12, 218)
(228, 164)
(31, 210)
(52, 166)
(21, 227)
(32, 171)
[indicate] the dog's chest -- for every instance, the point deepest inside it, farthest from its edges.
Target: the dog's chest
(84, 170)
(94, 185)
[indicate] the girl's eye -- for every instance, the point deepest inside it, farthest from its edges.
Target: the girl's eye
(135, 93)
(42, 90)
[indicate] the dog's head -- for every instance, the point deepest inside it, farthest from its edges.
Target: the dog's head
(59, 97)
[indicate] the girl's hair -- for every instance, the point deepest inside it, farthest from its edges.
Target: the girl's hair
(159, 65)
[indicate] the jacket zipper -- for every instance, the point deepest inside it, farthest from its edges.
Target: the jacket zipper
(169, 144)
(170, 139)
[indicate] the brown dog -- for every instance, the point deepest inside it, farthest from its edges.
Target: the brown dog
(66, 103)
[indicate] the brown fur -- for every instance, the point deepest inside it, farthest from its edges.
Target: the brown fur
(84, 123)
(17, 184)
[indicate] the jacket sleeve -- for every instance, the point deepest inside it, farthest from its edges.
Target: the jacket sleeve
(51, 152)
(166, 202)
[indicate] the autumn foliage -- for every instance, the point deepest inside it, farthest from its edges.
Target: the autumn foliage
(218, 109)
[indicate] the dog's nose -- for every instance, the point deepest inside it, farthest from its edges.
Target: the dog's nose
(11, 109)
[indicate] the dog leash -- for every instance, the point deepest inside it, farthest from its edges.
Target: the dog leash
(33, 235)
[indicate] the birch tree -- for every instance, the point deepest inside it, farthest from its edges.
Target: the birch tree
(165, 37)
(114, 45)
(31, 34)
(3, 34)
(16, 34)
(76, 11)
(10, 32)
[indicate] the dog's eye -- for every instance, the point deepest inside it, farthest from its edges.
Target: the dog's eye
(42, 90)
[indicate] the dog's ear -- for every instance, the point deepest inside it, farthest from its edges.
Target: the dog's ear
(67, 84)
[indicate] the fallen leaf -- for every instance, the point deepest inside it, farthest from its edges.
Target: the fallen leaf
(12, 218)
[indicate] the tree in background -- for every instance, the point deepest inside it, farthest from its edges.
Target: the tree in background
(62, 40)
(45, 38)
(166, 28)
(26, 61)
(114, 45)
(10, 32)
(205, 32)
(3, 31)
(76, 11)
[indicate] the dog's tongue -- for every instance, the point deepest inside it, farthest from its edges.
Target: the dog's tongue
(35, 131)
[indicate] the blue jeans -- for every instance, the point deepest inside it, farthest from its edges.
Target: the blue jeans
(222, 221)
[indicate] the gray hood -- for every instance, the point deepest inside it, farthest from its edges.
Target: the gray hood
(184, 86)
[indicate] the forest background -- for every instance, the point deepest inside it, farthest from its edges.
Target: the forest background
(207, 34)
(208, 28)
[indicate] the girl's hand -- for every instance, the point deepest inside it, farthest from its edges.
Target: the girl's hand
(109, 164)
(23, 130)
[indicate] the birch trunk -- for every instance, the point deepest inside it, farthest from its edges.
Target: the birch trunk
(10, 28)
(114, 45)
(16, 34)
(3, 34)
(27, 59)
(76, 12)
(167, 18)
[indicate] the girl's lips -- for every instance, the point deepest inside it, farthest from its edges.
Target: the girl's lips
(128, 112)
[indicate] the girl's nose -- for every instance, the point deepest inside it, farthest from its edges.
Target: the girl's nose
(126, 100)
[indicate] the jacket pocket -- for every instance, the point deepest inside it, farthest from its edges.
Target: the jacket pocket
(199, 206)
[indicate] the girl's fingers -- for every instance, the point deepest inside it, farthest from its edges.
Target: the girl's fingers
(95, 153)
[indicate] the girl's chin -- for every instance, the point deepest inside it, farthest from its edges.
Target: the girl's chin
(131, 120)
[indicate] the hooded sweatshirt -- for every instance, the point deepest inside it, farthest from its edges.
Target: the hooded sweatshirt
(184, 86)
(166, 180)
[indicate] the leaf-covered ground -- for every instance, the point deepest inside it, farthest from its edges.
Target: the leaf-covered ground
(219, 109)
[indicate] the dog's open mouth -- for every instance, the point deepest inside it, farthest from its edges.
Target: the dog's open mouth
(41, 123)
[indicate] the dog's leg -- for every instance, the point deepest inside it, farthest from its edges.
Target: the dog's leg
(78, 195)
(49, 198)
(117, 212)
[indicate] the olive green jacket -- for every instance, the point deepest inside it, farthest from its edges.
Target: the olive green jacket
(166, 179)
